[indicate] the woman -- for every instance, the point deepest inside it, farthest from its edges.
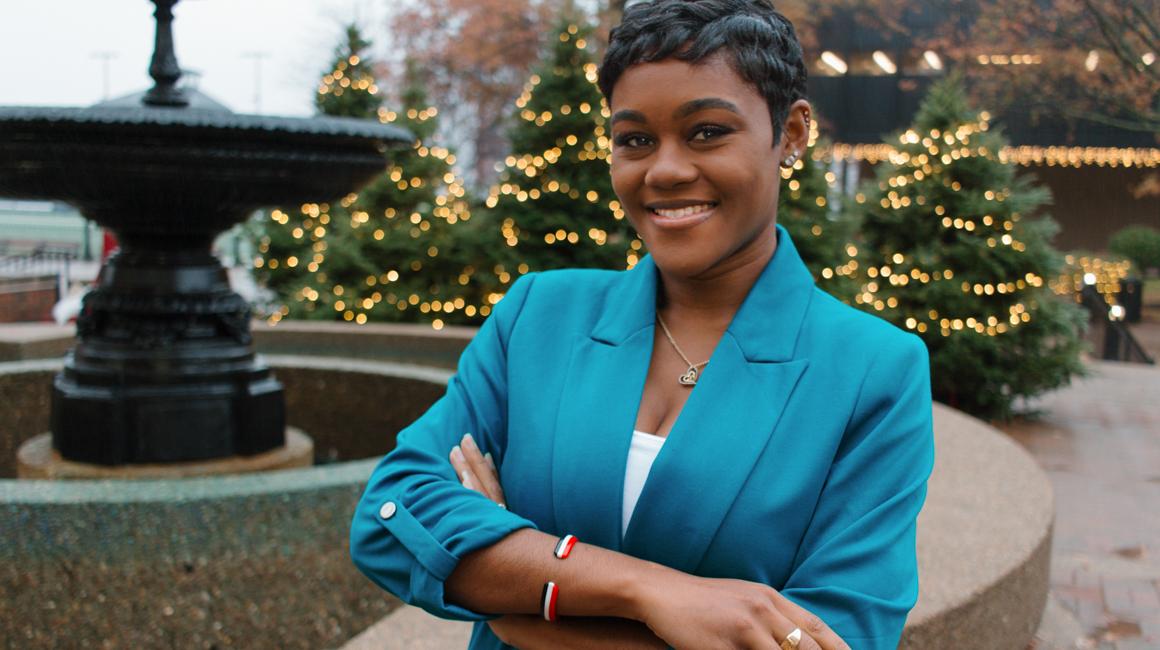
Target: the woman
(786, 472)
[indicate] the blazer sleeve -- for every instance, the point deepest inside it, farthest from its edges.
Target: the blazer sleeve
(415, 520)
(856, 568)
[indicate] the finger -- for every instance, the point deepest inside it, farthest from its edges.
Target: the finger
(482, 469)
(464, 472)
(783, 627)
(810, 624)
(495, 473)
(477, 464)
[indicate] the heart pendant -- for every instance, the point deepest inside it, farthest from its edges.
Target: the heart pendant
(689, 378)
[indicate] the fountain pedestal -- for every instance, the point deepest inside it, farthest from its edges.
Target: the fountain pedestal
(163, 370)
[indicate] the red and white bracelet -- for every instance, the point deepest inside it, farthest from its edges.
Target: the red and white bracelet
(564, 546)
(551, 593)
(551, 589)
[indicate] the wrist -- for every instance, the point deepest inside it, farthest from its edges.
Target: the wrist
(637, 597)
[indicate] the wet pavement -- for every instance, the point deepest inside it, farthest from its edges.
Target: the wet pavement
(1099, 442)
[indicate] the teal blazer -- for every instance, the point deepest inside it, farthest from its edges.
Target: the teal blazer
(800, 459)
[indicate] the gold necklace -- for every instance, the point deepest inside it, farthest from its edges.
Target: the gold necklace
(690, 376)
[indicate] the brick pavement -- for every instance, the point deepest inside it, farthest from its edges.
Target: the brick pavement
(1099, 441)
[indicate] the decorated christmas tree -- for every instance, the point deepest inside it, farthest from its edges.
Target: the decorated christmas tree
(390, 252)
(951, 251)
(554, 205)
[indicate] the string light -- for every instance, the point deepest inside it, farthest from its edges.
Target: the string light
(1024, 156)
(440, 197)
(919, 160)
(577, 129)
(1009, 59)
(1105, 275)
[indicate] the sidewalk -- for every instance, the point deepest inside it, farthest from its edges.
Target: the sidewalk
(1099, 442)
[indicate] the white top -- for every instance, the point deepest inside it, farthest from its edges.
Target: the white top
(642, 453)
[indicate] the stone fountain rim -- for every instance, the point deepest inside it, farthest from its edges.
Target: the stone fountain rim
(210, 488)
(202, 118)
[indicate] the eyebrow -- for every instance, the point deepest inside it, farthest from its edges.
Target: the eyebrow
(697, 105)
(685, 110)
(627, 116)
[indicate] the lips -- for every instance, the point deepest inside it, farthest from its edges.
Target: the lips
(680, 214)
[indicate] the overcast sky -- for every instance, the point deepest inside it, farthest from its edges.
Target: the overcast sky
(50, 50)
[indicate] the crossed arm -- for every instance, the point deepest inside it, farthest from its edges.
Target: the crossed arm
(612, 600)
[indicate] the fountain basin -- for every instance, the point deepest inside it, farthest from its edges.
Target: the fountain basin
(251, 561)
(205, 169)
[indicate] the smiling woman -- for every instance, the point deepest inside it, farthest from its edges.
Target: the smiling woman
(740, 456)
(694, 141)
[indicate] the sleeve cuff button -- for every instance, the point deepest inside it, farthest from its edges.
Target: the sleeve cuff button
(388, 510)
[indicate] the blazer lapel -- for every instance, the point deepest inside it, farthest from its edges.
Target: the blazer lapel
(727, 421)
(708, 456)
(602, 391)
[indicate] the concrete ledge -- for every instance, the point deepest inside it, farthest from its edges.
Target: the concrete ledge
(984, 541)
(22, 341)
(397, 342)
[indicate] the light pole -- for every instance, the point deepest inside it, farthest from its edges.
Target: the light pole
(257, 57)
(105, 56)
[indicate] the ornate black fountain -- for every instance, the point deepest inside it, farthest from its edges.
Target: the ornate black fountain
(163, 370)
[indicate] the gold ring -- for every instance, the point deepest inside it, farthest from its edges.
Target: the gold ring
(792, 639)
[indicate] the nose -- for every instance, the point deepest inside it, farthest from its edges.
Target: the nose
(671, 166)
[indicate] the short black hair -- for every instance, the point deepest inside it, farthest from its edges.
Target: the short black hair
(760, 45)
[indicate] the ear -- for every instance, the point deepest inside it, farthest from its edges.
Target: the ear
(795, 133)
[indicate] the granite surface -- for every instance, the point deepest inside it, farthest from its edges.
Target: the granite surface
(412, 344)
(984, 541)
(25, 401)
(22, 341)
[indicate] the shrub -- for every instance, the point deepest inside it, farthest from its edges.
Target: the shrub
(1141, 244)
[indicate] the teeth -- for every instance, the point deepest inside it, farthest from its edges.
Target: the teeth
(683, 212)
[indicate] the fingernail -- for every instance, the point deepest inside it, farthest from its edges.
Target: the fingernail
(457, 453)
(469, 442)
(466, 480)
(489, 459)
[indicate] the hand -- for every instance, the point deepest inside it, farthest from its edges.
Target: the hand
(693, 612)
(477, 470)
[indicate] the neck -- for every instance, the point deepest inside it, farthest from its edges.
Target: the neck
(713, 297)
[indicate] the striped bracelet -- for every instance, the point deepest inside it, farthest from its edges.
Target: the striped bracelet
(564, 546)
(548, 601)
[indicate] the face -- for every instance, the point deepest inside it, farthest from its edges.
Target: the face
(695, 165)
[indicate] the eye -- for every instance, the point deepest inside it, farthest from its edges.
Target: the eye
(704, 132)
(631, 140)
